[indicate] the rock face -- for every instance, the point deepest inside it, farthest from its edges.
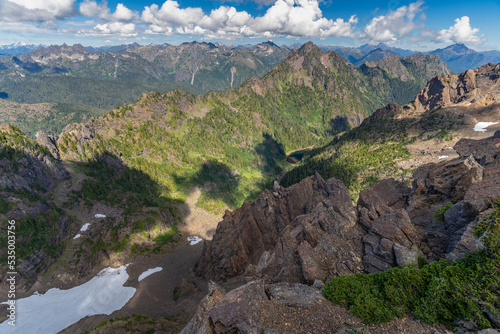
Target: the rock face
(391, 238)
(299, 234)
(49, 142)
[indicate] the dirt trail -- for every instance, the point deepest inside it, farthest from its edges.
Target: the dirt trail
(197, 221)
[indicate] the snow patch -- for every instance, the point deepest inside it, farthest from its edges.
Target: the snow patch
(481, 126)
(149, 272)
(194, 240)
(443, 157)
(100, 215)
(77, 236)
(57, 309)
(85, 227)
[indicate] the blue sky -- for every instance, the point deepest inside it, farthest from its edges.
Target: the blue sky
(418, 24)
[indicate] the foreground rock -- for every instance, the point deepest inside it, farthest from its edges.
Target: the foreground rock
(289, 308)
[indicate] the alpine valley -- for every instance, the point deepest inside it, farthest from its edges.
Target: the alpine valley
(253, 189)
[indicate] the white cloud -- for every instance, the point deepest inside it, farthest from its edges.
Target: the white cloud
(287, 18)
(393, 26)
(461, 32)
(36, 11)
(171, 14)
(91, 8)
(113, 28)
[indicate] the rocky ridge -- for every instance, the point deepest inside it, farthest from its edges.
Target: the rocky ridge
(310, 232)
(29, 175)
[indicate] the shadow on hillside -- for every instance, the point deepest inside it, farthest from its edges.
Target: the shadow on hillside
(218, 181)
(339, 124)
(114, 183)
(271, 152)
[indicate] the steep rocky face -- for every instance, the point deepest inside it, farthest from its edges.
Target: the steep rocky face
(49, 142)
(26, 165)
(391, 238)
(485, 151)
(299, 234)
(28, 176)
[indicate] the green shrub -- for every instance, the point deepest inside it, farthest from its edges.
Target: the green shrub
(439, 215)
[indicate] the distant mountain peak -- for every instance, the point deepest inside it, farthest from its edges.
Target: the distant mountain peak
(270, 43)
(307, 48)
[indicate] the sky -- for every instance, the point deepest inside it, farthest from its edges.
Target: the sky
(417, 25)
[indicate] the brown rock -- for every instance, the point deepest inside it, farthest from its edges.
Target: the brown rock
(480, 196)
(391, 238)
(200, 323)
(299, 234)
(485, 151)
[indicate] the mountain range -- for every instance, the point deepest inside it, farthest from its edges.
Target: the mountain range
(458, 57)
(95, 82)
(268, 172)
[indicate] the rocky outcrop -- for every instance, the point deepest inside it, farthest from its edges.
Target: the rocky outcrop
(27, 166)
(391, 238)
(481, 195)
(450, 89)
(298, 234)
(485, 151)
(388, 111)
(49, 142)
(240, 310)
(310, 232)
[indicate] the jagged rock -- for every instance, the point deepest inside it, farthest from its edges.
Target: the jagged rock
(44, 139)
(485, 151)
(299, 234)
(447, 89)
(388, 111)
(481, 195)
(434, 186)
(391, 238)
(200, 323)
(494, 318)
(238, 311)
